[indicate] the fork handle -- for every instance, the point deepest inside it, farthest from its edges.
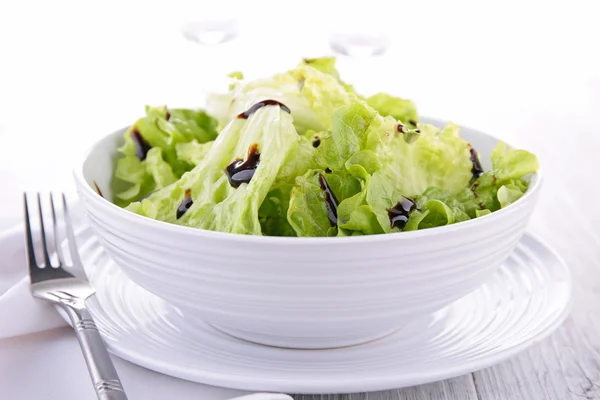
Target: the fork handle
(101, 368)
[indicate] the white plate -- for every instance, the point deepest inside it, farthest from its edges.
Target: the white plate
(526, 300)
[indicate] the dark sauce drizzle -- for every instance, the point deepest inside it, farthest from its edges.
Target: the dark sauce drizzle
(141, 146)
(403, 129)
(330, 200)
(477, 169)
(474, 190)
(98, 189)
(262, 104)
(400, 212)
(240, 171)
(145, 197)
(185, 204)
(317, 142)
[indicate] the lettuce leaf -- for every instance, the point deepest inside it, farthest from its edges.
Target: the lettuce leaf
(400, 109)
(192, 152)
(340, 159)
(310, 94)
(509, 164)
(193, 124)
(322, 64)
(217, 205)
(327, 66)
(435, 159)
(160, 131)
(273, 212)
(300, 159)
(434, 169)
(142, 177)
(307, 213)
(396, 168)
(495, 189)
(349, 126)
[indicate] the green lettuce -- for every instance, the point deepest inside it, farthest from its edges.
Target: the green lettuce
(217, 205)
(349, 126)
(437, 158)
(327, 66)
(332, 162)
(498, 188)
(307, 213)
(300, 159)
(162, 130)
(310, 94)
(337, 149)
(193, 152)
(401, 109)
(406, 168)
(273, 212)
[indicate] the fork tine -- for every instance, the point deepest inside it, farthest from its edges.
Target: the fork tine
(70, 235)
(43, 231)
(28, 233)
(57, 246)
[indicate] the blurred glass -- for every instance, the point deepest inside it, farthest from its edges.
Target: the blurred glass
(362, 31)
(358, 45)
(210, 23)
(210, 32)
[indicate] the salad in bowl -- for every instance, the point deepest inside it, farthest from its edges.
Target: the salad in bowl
(293, 211)
(301, 153)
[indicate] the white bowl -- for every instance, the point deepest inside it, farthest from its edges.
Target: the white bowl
(302, 292)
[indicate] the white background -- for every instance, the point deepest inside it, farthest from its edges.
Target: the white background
(73, 71)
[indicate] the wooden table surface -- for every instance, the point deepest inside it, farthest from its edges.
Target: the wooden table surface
(529, 75)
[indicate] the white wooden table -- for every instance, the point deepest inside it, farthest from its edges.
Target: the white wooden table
(526, 74)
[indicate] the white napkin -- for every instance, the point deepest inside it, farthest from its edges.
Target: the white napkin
(21, 313)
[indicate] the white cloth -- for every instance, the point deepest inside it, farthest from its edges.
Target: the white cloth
(21, 314)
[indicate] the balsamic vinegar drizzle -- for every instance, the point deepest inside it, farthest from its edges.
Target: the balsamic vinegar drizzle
(400, 212)
(98, 189)
(262, 104)
(474, 190)
(316, 142)
(185, 204)
(410, 135)
(477, 169)
(141, 146)
(330, 200)
(240, 171)
(145, 197)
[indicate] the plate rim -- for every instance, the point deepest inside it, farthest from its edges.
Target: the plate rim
(351, 384)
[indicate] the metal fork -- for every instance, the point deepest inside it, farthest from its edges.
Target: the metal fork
(57, 285)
